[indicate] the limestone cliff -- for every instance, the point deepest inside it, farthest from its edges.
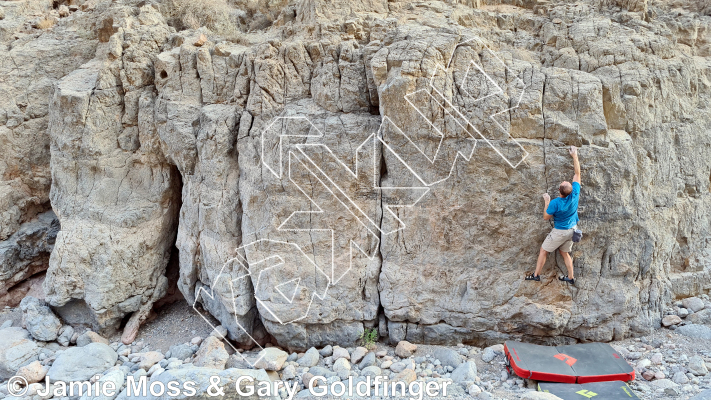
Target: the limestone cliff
(326, 167)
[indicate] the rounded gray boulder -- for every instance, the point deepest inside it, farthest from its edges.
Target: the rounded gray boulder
(16, 350)
(39, 319)
(81, 363)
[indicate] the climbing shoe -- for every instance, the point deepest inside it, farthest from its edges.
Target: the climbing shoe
(566, 279)
(533, 277)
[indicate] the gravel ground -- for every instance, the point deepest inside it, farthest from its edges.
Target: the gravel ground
(174, 323)
(669, 352)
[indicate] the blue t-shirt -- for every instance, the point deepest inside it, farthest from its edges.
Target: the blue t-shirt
(565, 209)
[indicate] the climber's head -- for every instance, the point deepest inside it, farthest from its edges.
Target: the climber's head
(565, 189)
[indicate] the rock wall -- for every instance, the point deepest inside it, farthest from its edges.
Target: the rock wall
(328, 171)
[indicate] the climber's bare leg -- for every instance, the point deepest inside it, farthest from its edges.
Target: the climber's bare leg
(568, 263)
(542, 255)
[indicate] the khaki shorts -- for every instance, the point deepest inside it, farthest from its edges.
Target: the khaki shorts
(559, 239)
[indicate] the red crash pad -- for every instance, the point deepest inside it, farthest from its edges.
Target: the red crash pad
(578, 363)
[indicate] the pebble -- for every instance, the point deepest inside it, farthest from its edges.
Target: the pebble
(656, 358)
(491, 352)
(671, 320)
(697, 366)
(309, 359)
(371, 371)
(340, 352)
(326, 351)
(147, 360)
(405, 349)
(642, 364)
(358, 354)
(369, 360)
(397, 367)
(341, 364)
(680, 378)
(219, 332)
(289, 372)
(33, 372)
(694, 304)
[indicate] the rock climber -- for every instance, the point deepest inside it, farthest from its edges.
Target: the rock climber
(564, 211)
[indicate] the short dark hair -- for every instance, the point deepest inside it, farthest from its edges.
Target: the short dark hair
(565, 190)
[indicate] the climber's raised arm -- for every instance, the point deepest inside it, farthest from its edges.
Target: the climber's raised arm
(576, 163)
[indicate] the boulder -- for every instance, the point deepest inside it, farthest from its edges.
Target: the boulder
(695, 331)
(65, 335)
(397, 367)
(148, 359)
(309, 359)
(447, 356)
(219, 331)
(340, 352)
(491, 352)
(466, 372)
(39, 320)
(358, 354)
(212, 354)
(90, 337)
(669, 320)
(16, 350)
(181, 351)
(341, 365)
(663, 384)
(289, 372)
(367, 361)
(115, 376)
(407, 375)
(33, 372)
(694, 304)
(326, 351)
(271, 359)
(82, 363)
(473, 389)
(680, 378)
(238, 361)
(657, 358)
(697, 366)
(642, 364)
(405, 349)
(702, 317)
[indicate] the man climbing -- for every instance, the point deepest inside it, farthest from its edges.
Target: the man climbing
(564, 211)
